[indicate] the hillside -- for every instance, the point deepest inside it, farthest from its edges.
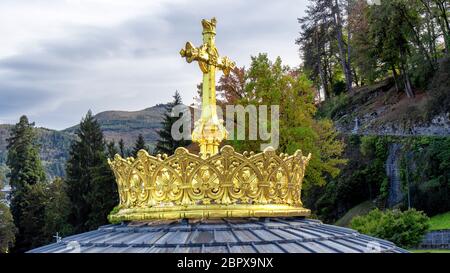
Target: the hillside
(380, 109)
(54, 148)
(116, 125)
(127, 125)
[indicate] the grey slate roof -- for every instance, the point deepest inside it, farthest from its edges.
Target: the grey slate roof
(288, 235)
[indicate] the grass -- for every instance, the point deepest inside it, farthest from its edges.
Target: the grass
(358, 210)
(429, 250)
(440, 221)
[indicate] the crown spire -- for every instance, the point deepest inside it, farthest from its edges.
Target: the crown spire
(209, 130)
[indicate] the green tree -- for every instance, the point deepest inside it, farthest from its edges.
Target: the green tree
(27, 178)
(57, 210)
(139, 145)
(166, 144)
(33, 218)
(122, 148)
(7, 227)
(271, 83)
(90, 182)
(111, 149)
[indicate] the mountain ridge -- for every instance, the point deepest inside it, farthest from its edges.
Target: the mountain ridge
(115, 124)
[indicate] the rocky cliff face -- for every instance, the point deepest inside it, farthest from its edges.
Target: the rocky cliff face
(381, 109)
(368, 124)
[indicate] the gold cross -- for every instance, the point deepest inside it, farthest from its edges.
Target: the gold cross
(209, 130)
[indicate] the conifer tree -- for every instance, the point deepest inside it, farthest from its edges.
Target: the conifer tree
(112, 149)
(27, 178)
(166, 144)
(122, 148)
(90, 181)
(57, 209)
(139, 145)
(7, 227)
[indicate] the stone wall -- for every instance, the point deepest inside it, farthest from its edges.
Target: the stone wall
(436, 239)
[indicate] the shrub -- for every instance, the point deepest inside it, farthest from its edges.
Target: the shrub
(405, 229)
(339, 88)
(334, 106)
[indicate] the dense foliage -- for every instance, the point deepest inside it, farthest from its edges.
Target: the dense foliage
(91, 184)
(357, 43)
(7, 228)
(362, 178)
(405, 229)
(26, 178)
(272, 83)
(426, 174)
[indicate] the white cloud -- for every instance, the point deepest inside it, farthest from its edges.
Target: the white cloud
(75, 55)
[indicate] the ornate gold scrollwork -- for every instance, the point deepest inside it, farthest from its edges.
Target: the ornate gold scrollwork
(227, 184)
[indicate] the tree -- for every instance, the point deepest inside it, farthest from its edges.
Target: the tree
(23, 156)
(139, 145)
(344, 46)
(122, 148)
(323, 42)
(32, 223)
(353, 42)
(271, 83)
(364, 59)
(90, 182)
(27, 178)
(317, 47)
(111, 149)
(230, 89)
(57, 210)
(7, 227)
(437, 15)
(166, 144)
(388, 30)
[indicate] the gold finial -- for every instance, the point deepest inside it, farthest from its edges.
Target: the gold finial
(209, 130)
(209, 26)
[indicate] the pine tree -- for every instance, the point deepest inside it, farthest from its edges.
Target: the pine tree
(57, 209)
(166, 144)
(32, 223)
(139, 145)
(112, 149)
(7, 227)
(27, 177)
(90, 181)
(122, 148)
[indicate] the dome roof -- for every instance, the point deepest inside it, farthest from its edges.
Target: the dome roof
(253, 235)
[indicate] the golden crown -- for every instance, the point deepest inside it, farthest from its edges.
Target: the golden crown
(227, 184)
(213, 184)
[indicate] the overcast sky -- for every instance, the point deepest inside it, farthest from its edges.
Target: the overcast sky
(60, 58)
